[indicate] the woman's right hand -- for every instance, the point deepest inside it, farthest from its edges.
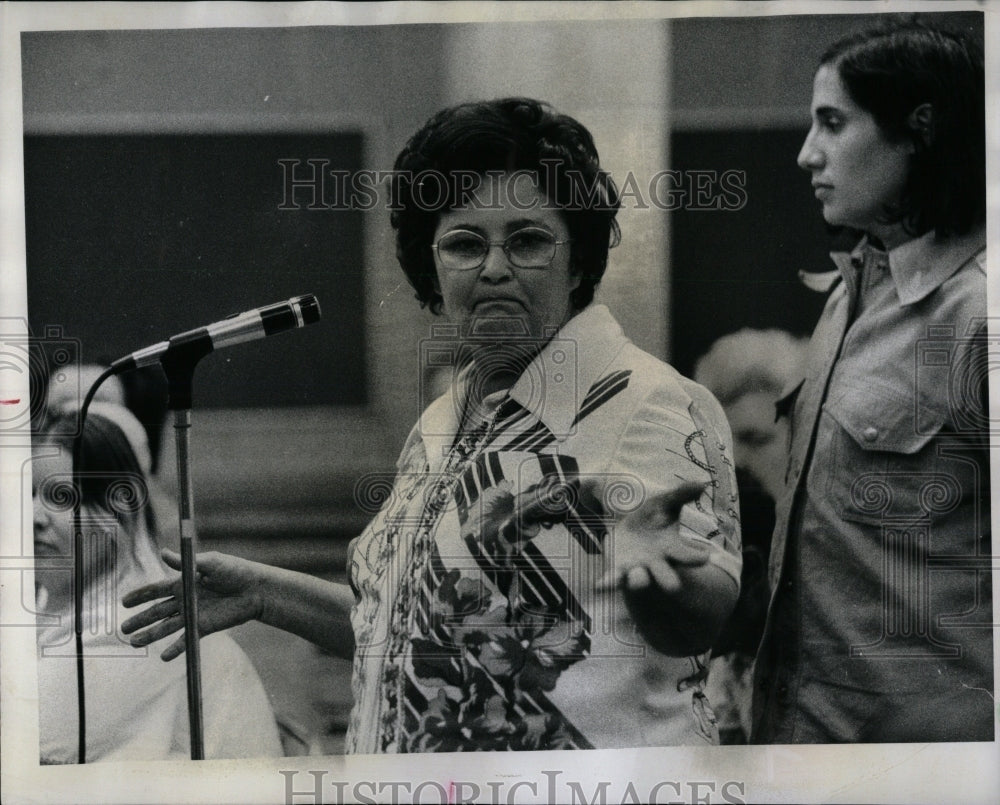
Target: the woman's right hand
(229, 593)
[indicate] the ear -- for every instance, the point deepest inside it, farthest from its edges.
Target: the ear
(921, 122)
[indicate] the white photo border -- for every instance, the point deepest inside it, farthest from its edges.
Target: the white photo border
(851, 773)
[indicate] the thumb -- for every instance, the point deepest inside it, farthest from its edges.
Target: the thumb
(172, 559)
(670, 503)
(533, 508)
(664, 509)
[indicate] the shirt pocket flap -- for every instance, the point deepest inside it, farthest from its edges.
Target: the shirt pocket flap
(876, 418)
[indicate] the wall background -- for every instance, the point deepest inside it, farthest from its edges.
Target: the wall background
(725, 93)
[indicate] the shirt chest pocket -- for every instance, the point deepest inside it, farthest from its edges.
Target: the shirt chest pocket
(881, 454)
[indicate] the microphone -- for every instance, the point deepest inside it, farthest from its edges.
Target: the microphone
(249, 326)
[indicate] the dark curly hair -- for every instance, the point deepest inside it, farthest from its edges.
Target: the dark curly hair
(506, 135)
(892, 70)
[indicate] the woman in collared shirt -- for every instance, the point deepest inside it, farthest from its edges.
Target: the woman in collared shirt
(560, 544)
(879, 627)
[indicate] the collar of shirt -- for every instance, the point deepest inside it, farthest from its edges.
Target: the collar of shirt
(853, 266)
(551, 387)
(567, 366)
(918, 267)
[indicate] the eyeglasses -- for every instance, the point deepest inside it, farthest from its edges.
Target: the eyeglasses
(531, 247)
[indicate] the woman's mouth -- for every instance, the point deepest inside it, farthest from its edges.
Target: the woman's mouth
(43, 548)
(499, 302)
(821, 190)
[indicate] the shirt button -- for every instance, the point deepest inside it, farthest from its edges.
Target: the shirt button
(870, 434)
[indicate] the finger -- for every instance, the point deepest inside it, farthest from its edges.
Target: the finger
(530, 512)
(662, 575)
(157, 631)
(590, 493)
(669, 504)
(546, 502)
(637, 578)
(149, 616)
(173, 651)
(171, 558)
(533, 509)
(686, 552)
(147, 593)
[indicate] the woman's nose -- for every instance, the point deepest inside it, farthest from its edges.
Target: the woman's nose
(810, 157)
(40, 513)
(496, 266)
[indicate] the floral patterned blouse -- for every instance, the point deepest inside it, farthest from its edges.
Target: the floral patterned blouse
(478, 629)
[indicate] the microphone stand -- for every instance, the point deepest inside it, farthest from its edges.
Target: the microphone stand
(179, 364)
(178, 357)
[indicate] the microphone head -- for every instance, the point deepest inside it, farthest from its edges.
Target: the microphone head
(308, 307)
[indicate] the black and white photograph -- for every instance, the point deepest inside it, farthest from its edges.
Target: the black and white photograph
(606, 377)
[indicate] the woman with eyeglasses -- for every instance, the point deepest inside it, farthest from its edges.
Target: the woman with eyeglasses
(560, 544)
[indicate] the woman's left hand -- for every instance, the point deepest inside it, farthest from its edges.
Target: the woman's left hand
(649, 549)
(678, 598)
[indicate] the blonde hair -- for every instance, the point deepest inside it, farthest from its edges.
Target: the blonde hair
(749, 361)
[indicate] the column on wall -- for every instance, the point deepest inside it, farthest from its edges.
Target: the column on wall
(614, 79)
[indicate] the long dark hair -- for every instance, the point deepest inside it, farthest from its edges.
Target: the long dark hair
(892, 70)
(113, 479)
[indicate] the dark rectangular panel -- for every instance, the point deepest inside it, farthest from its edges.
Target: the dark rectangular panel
(131, 239)
(738, 267)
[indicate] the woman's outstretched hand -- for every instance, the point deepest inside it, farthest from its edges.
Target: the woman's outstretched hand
(655, 554)
(229, 593)
(678, 597)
